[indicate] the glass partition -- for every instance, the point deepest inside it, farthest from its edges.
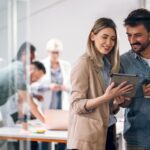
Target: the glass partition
(14, 70)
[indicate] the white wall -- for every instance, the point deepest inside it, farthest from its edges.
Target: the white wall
(68, 20)
(71, 21)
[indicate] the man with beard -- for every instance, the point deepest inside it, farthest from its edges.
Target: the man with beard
(137, 61)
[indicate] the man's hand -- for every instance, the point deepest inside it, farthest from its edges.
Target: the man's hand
(146, 90)
(39, 97)
(121, 99)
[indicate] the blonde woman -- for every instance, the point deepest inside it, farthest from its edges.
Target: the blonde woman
(91, 91)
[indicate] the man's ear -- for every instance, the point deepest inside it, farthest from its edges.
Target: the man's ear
(92, 36)
(149, 35)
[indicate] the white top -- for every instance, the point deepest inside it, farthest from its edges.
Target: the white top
(147, 60)
(65, 69)
(43, 82)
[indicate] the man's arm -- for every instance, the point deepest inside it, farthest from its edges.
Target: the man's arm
(23, 95)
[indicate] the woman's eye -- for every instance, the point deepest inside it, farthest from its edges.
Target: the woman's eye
(104, 37)
(113, 39)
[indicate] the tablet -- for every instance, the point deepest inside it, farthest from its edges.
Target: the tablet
(130, 78)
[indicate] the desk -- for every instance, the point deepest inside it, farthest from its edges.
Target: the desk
(15, 133)
(11, 133)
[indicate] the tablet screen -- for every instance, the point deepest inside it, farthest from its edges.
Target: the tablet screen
(130, 78)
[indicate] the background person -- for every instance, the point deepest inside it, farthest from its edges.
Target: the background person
(13, 81)
(58, 73)
(55, 85)
(14, 105)
(37, 81)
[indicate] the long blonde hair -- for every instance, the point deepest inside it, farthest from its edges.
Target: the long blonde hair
(113, 56)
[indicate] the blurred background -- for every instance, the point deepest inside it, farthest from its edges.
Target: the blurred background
(38, 21)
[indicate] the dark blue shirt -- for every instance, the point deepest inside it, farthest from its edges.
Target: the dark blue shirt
(137, 114)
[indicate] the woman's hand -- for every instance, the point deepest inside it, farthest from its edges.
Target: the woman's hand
(55, 87)
(113, 92)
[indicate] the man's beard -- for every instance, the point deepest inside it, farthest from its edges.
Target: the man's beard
(143, 46)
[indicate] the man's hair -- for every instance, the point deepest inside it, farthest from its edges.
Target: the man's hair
(25, 47)
(39, 66)
(139, 17)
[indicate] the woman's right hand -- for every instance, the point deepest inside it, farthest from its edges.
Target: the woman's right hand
(113, 91)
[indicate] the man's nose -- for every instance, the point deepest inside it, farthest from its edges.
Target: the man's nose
(132, 39)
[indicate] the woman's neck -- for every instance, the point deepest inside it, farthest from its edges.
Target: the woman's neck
(54, 64)
(54, 61)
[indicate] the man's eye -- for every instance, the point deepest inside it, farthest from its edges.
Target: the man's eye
(138, 35)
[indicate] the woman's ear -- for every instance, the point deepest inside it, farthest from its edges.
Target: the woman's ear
(92, 36)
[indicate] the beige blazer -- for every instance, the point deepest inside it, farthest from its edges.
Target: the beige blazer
(87, 129)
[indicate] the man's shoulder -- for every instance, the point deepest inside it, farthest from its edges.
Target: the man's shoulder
(126, 56)
(12, 68)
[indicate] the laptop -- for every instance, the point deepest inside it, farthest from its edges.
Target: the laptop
(56, 119)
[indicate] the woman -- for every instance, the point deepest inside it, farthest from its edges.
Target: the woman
(58, 74)
(89, 110)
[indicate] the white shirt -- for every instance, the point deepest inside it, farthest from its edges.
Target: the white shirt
(147, 60)
(41, 88)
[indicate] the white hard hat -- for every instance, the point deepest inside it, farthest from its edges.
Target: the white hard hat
(54, 45)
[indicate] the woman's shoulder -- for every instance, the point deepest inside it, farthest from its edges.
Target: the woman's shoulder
(84, 58)
(80, 68)
(82, 63)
